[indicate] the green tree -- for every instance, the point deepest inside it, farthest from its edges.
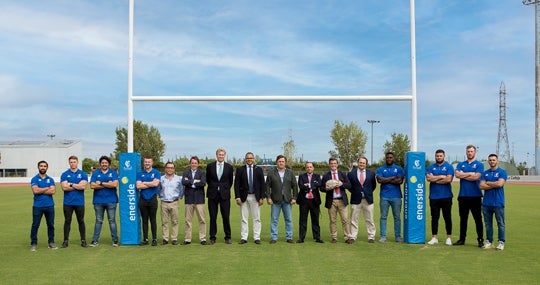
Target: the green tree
(87, 164)
(146, 141)
(289, 150)
(399, 145)
(349, 141)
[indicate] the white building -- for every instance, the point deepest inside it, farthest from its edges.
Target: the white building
(20, 158)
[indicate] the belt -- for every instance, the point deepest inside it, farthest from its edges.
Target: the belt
(340, 198)
(170, 201)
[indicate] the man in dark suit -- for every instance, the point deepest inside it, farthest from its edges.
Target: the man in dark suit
(336, 200)
(281, 193)
(194, 181)
(249, 192)
(309, 200)
(363, 183)
(219, 176)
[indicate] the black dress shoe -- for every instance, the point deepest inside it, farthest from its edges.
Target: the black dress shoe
(228, 241)
(212, 241)
(300, 241)
(83, 243)
(459, 242)
(154, 242)
(319, 240)
(204, 242)
(258, 241)
(186, 242)
(243, 241)
(144, 242)
(65, 244)
(174, 242)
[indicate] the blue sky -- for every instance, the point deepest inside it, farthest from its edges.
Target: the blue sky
(64, 70)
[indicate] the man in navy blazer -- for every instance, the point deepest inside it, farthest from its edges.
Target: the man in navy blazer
(249, 193)
(194, 181)
(219, 176)
(363, 183)
(336, 200)
(309, 200)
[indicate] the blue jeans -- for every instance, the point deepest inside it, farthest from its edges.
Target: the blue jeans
(488, 221)
(287, 214)
(111, 215)
(385, 204)
(37, 213)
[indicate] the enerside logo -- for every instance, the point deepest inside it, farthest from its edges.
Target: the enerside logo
(417, 164)
(127, 165)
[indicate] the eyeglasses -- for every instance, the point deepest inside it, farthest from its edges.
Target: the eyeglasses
(169, 167)
(249, 157)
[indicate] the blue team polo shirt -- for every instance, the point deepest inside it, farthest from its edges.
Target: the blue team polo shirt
(440, 191)
(470, 188)
(42, 200)
(105, 195)
(494, 197)
(74, 197)
(144, 176)
(389, 190)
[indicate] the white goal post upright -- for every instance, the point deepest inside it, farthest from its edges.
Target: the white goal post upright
(216, 98)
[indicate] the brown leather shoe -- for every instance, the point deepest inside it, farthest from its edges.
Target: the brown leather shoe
(290, 241)
(228, 241)
(273, 241)
(212, 241)
(334, 240)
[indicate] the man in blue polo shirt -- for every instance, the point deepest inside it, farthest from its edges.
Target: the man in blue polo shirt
(440, 175)
(492, 182)
(104, 182)
(73, 182)
(390, 176)
(470, 195)
(147, 183)
(43, 188)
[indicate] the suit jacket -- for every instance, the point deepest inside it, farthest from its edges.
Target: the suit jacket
(370, 183)
(274, 186)
(219, 187)
(241, 185)
(194, 192)
(304, 186)
(329, 194)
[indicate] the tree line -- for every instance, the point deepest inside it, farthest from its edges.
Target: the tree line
(349, 141)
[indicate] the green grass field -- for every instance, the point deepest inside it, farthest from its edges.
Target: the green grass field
(307, 263)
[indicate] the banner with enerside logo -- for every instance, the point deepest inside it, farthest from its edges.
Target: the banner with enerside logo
(415, 198)
(130, 225)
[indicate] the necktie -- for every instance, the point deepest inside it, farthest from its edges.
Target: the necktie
(336, 190)
(310, 193)
(250, 179)
(362, 177)
(220, 171)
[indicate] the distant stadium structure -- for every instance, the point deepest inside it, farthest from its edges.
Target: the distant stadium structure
(18, 159)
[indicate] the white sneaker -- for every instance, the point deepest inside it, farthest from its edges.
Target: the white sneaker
(382, 240)
(487, 245)
(501, 245)
(448, 241)
(33, 247)
(433, 241)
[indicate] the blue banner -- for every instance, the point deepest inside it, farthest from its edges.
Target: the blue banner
(415, 198)
(130, 224)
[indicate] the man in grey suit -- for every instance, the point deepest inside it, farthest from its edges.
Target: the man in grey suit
(363, 183)
(281, 193)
